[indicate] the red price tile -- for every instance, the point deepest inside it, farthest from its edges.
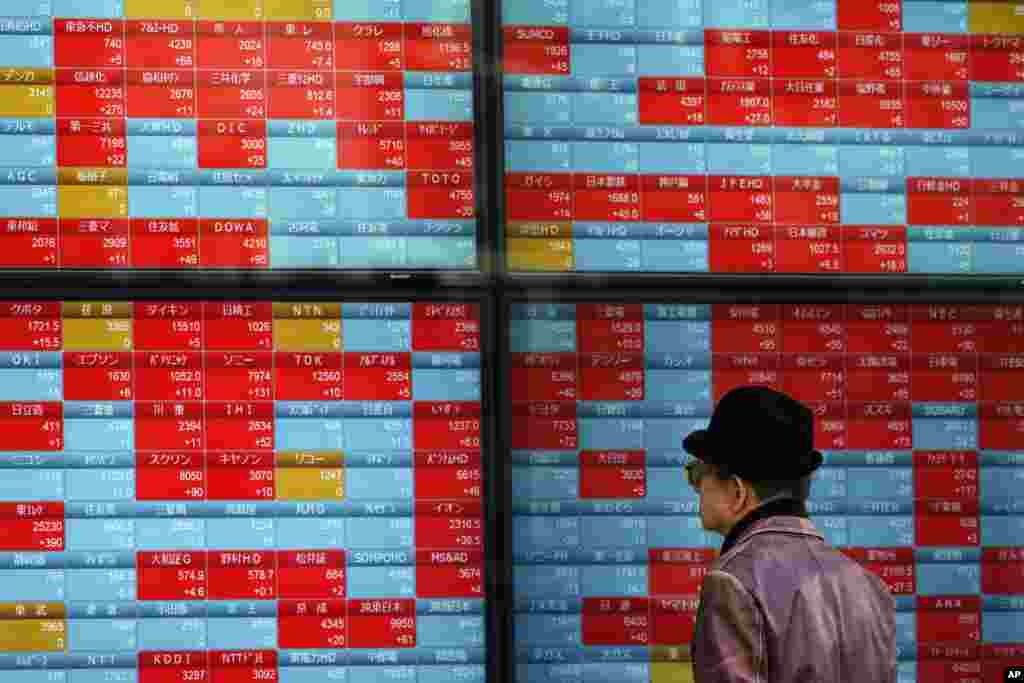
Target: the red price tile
(308, 46)
(440, 146)
(679, 571)
(382, 623)
(809, 249)
(871, 104)
(247, 475)
(742, 248)
(996, 58)
(875, 249)
(813, 328)
(300, 95)
(238, 326)
(234, 243)
(804, 54)
(378, 376)
(31, 325)
(806, 201)
(447, 433)
(242, 575)
(803, 103)
(165, 243)
(613, 474)
(170, 476)
(373, 47)
(872, 15)
(29, 242)
(738, 54)
(550, 426)
(311, 574)
(230, 45)
(240, 375)
(870, 56)
(232, 95)
(740, 199)
(161, 94)
(243, 666)
(446, 327)
(371, 145)
(90, 92)
(946, 475)
(611, 377)
(169, 375)
(448, 475)
(172, 575)
(174, 325)
(959, 622)
(161, 44)
(672, 101)
(308, 376)
(89, 43)
(537, 50)
(370, 96)
(173, 667)
(616, 621)
(544, 377)
(33, 426)
(438, 47)
(313, 624)
(240, 426)
(169, 427)
(441, 194)
(449, 573)
(936, 56)
(677, 199)
(739, 102)
(95, 376)
(673, 620)
(539, 197)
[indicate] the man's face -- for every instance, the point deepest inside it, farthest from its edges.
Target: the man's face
(720, 504)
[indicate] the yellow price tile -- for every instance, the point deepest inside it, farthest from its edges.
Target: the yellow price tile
(298, 10)
(307, 309)
(26, 101)
(549, 255)
(33, 635)
(96, 309)
(321, 459)
(97, 334)
(307, 335)
(671, 672)
(32, 610)
(996, 17)
(231, 10)
(538, 229)
(310, 483)
(92, 201)
(165, 9)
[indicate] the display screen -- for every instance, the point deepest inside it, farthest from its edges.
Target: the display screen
(920, 415)
(764, 136)
(241, 134)
(241, 491)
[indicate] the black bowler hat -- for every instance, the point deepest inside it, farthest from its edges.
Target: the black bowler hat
(760, 434)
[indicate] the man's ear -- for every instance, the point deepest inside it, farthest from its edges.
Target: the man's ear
(743, 495)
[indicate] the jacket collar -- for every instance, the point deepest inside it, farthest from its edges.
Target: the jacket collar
(788, 507)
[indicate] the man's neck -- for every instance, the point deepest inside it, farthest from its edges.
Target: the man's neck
(772, 508)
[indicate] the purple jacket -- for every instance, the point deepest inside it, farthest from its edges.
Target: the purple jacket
(781, 606)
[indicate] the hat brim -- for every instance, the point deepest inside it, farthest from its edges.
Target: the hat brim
(698, 444)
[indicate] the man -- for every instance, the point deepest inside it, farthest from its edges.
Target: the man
(778, 605)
